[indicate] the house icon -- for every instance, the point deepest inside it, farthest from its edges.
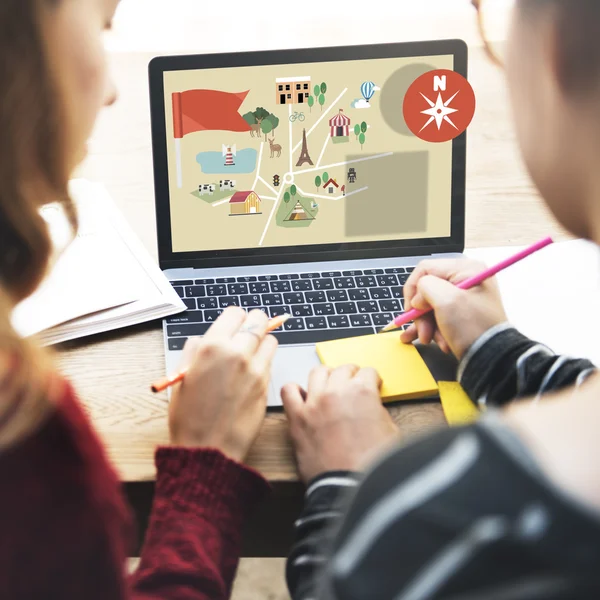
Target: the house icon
(245, 203)
(331, 185)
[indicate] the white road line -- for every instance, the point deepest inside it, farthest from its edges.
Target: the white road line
(259, 163)
(267, 198)
(221, 202)
(262, 238)
(347, 162)
(320, 118)
(290, 129)
(362, 189)
(317, 195)
(268, 185)
(323, 151)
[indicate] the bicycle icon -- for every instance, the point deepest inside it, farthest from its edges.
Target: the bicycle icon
(297, 115)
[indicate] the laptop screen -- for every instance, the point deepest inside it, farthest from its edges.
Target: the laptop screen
(292, 155)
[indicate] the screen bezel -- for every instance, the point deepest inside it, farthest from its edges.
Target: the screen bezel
(309, 253)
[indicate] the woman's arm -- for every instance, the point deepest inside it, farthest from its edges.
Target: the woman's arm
(193, 542)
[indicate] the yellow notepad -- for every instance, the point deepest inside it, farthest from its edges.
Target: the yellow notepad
(404, 373)
(458, 407)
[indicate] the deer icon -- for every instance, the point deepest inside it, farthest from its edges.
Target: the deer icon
(256, 128)
(274, 148)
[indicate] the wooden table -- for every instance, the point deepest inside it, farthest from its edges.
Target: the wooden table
(112, 371)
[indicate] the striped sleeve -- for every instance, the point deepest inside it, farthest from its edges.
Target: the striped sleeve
(503, 365)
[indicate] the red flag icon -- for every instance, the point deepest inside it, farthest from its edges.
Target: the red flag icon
(207, 110)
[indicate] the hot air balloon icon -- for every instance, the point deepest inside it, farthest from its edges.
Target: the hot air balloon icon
(367, 89)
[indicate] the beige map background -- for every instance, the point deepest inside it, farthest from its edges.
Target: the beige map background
(408, 192)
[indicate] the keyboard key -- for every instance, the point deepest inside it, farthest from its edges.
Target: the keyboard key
(190, 303)
(294, 298)
(204, 281)
(402, 279)
(272, 300)
(360, 294)
(410, 269)
(216, 290)
(268, 278)
(346, 308)
(280, 286)
(393, 305)
(360, 321)
(387, 280)
(187, 330)
(324, 309)
(194, 291)
(212, 315)
(337, 296)
(277, 311)
(380, 293)
(237, 289)
(373, 271)
(289, 277)
(302, 310)
(225, 301)
(338, 322)
(354, 273)
(331, 274)
(397, 292)
(177, 343)
(264, 309)
(250, 301)
(182, 283)
(363, 282)
(396, 270)
(303, 285)
(316, 323)
(368, 307)
(246, 279)
(191, 316)
(323, 284)
(309, 275)
(207, 303)
(344, 283)
(226, 280)
(294, 325)
(382, 319)
(313, 297)
(180, 292)
(314, 336)
(259, 288)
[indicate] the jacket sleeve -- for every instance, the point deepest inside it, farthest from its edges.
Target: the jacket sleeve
(193, 542)
(503, 365)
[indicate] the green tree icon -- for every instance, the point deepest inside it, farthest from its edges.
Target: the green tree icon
(317, 90)
(318, 182)
(363, 127)
(311, 102)
(286, 197)
(323, 90)
(293, 190)
(356, 130)
(361, 139)
(325, 177)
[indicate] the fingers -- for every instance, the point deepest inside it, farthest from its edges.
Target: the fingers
(317, 381)
(252, 332)
(409, 335)
(227, 324)
(438, 293)
(263, 357)
(342, 375)
(441, 342)
(293, 402)
(370, 377)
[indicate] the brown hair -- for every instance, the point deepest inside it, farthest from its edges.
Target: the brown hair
(33, 169)
(577, 28)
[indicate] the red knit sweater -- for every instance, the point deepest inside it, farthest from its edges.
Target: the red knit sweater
(65, 529)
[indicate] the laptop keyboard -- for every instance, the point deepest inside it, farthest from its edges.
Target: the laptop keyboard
(324, 305)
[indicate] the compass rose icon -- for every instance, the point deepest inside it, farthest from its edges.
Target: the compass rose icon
(439, 106)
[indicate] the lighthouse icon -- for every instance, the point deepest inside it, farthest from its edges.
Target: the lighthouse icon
(229, 152)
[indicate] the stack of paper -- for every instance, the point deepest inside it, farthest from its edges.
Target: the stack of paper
(103, 280)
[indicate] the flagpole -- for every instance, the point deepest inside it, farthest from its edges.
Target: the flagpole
(178, 159)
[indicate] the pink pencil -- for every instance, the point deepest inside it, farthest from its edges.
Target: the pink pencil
(413, 314)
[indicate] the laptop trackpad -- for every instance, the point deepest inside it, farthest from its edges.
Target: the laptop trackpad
(292, 364)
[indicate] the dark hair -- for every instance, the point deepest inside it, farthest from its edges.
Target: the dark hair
(578, 28)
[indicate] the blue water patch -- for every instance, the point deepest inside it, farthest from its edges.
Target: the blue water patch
(214, 162)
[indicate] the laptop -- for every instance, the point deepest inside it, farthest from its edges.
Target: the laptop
(288, 181)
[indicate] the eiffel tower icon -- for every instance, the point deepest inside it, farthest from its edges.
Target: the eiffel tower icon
(304, 156)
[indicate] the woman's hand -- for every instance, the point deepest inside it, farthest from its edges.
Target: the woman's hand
(460, 317)
(340, 423)
(222, 400)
